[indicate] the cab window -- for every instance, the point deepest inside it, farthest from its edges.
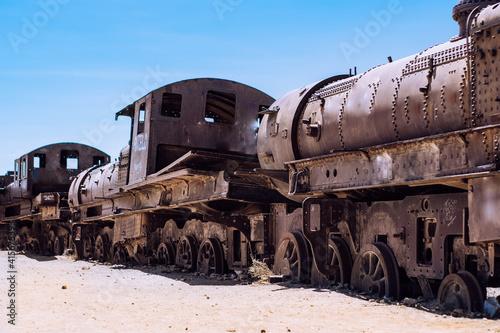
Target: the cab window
(69, 159)
(24, 168)
(142, 118)
(220, 107)
(171, 105)
(39, 161)
(16, 170)
(98, 160)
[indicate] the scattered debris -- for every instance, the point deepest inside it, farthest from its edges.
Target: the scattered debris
(118, 267)
(492, 307)
(411, 302)
(260, 272)
(70, 254)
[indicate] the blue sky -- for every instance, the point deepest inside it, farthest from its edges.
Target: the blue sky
(68, 65)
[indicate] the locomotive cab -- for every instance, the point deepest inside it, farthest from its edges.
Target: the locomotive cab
(50, 169)
(168, 123)
(6, 180)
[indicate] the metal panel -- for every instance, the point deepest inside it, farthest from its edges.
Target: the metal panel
(484, 210)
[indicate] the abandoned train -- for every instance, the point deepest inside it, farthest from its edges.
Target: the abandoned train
(387, 180)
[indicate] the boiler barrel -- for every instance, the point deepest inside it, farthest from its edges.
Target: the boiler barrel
(414, 97)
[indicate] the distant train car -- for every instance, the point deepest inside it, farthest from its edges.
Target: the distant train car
(36, 198)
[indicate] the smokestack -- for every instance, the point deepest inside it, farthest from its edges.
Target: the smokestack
(464, 8)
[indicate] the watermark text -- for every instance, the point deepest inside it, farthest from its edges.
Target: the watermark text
(32, 25)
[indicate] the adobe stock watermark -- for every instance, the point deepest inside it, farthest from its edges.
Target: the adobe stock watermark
(152, 80)
(224, 6)
(32, 25)
(364, 36)
(12, 276)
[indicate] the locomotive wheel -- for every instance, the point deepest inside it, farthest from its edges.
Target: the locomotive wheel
(50, 240)
(339, 261)
(87, 248)
(461, 291)
(375, 271)
(187, 253)
(292, 257)
(121, 256)
(101, 252)
(58, 245)
(166, 254)
(72, 248)
(34, 245)
(211, 257)
(99, 249)
(20, 241)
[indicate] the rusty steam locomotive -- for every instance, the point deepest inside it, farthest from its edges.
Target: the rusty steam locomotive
(387, 180)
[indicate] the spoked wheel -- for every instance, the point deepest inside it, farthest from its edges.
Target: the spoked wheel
(461, 291)
(101, 248)
(339, 261)
(20, 241)
(211, 257)
(49, 244)
(292, 257)
(187, 253)
(72, 248)
(166, 254)
(121, 256)
(58, 245)
(34, 245)
(375, 271)
(87, 248)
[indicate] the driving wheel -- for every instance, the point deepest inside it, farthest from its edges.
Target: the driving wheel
(210, 257)
(187, 253)
(166, 254)
(375, 271)
(339, 261)
(461, 291)
(292, 257)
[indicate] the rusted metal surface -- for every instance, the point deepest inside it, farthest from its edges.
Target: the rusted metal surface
(406, 99)
(462, 11)
(484, 219)
(447, 159)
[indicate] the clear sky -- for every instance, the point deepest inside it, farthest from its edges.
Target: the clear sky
(68, 65)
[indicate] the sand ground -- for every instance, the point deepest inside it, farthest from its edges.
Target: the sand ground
(99, 298)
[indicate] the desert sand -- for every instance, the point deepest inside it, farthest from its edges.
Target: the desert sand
(58, 294)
